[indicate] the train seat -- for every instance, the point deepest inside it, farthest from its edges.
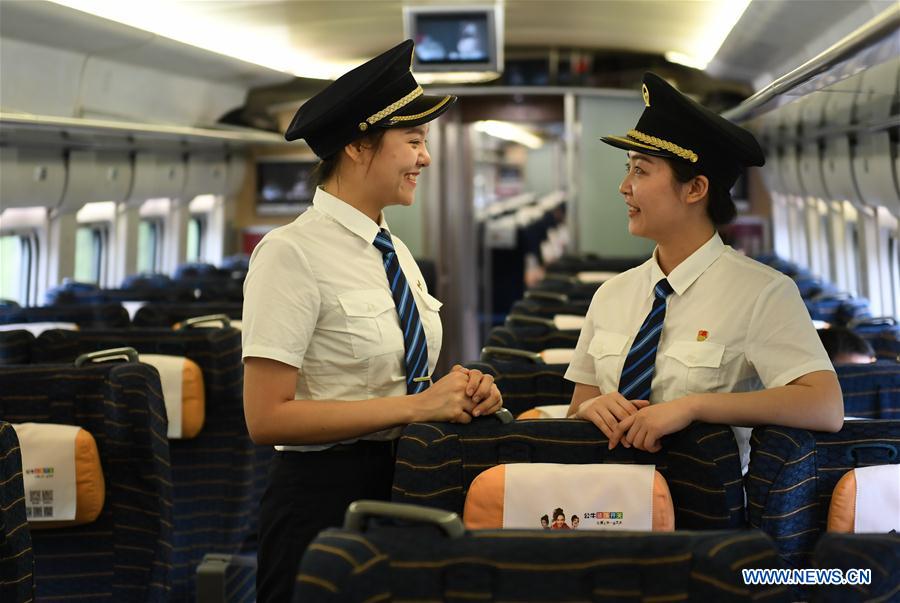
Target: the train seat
(879, 553)
(103, 315)
(548, 305)
(126, 554)
(183, 393)
(16, 346)
(16, 554)
(866, 500)
(390, 552)
(524, 379)
(532, 335)
(603, 496)
(871, 391)
(793, 473)
(74, 493)
(437, 462)
(168, 314)
(215, 474)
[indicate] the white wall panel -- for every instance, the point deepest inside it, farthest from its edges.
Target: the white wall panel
(31, 177)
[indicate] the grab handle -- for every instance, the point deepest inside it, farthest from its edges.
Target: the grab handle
(362, 510)
(127, 354)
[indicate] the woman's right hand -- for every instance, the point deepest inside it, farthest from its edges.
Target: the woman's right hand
(446, 400)
(605, 411)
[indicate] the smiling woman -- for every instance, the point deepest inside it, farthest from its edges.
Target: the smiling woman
(715, 337)
(340, 334)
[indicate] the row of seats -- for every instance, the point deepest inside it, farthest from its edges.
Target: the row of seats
(115, 315)
(404, 552)
(213, 481)
(827, 304)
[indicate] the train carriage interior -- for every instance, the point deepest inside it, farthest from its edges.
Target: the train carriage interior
(143, 159)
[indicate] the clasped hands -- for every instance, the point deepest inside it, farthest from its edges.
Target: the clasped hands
(635, 422)
(461, 395)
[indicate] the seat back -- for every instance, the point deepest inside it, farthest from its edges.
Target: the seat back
(531, 337)
(101, 315)
(548, 308)
(16, 346)
(525, 384)
(878, 553)
(126, 553)
(415, 560)
(214, 509)
(16, 554)
(871, 391)
(793, 473)
(436, 463)
(167, 315)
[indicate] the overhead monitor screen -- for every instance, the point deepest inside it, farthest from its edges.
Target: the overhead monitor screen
(283, 186)
(452, 38)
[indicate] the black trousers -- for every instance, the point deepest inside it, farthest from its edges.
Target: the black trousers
(308, 492)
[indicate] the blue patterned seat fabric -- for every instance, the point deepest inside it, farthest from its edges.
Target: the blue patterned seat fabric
(871, 391)
(879, 553)
(436, 463)
(108, 315)
(16, 554)
(418, 563)
(126, 554)
(525, 385)
(533, 338)
(213, 481)
(166, 314)
(15, 347)
(793, 472)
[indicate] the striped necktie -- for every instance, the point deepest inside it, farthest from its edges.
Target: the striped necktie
(637, 372)
(414, 342)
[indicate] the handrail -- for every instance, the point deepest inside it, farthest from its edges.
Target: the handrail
(876, 28)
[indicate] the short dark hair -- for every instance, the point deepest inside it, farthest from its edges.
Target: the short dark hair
(326, 167)
(839, 341)
(721, 208)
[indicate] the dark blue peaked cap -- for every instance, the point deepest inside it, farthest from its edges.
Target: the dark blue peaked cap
(380, 93)
(672, 125)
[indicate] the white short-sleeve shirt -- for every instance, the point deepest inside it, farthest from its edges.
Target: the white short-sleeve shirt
(316, 297)
(732, 325)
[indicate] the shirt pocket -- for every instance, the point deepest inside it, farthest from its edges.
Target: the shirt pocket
(372, 322)
(429, 311)
(607, 348)
(699, 364)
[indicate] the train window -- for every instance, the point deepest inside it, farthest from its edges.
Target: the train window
(894, 255)
(90, 249)
(15, 268)
(195, 232)
(149, 245)
(850, 249)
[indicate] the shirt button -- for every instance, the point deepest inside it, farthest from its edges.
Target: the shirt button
(370, 307)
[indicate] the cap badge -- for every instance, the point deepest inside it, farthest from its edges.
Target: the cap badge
(702, 335)
(363, 126)
(646, 95)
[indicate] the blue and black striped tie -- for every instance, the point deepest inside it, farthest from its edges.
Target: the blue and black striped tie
(414, 341)
(637, 372)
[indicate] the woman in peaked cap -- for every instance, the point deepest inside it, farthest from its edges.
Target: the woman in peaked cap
(698, 332)
(340, 334)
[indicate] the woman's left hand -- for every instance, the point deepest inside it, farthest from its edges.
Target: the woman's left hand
(644, 429)
(482, 390)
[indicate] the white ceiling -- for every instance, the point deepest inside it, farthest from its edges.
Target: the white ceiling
(772, 37)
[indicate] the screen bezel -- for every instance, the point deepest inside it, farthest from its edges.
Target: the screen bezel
(279, 208)
(494, 21)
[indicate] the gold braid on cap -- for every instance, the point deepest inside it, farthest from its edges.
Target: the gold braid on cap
(665, 145)
(398, 118)
(373, 119)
